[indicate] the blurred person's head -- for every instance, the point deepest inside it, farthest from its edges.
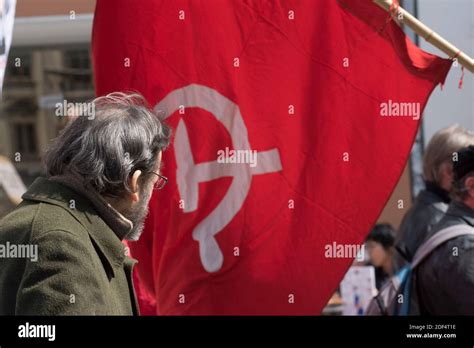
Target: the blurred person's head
(438, 158)
(380, 246)
(463, 181)
(117, 153)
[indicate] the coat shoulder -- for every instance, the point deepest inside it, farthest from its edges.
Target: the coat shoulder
(30, 220)
(50, 217)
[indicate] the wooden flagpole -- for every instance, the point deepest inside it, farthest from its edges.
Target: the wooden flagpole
(402, 16)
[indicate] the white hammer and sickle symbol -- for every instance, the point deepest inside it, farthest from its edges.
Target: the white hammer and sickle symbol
(189, 174)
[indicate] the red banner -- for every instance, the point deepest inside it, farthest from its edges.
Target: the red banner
(293, 121)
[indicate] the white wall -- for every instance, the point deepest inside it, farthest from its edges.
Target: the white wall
(454, 20)
(52, 30)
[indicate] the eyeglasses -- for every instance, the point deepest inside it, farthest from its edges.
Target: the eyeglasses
(162, 180)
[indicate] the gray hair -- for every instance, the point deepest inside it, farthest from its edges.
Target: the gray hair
(441, 149)
(125, 135)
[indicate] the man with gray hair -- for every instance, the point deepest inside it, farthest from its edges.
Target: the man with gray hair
(444, 281)
(432, 202)
(101, 173)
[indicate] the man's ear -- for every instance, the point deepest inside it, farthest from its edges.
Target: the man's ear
(133, 184)
(469, 185)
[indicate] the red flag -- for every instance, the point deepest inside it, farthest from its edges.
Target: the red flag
(314, 88)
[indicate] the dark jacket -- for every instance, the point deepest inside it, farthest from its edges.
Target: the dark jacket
(445, 280)
(428, 209)
(81, 267)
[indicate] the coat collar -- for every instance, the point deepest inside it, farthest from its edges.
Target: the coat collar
(109, 244)
(439, 193)
(116, 221)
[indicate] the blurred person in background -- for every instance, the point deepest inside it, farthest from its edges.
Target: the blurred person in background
(380, 247)
(101, 172)
(445, 279)
(431, 203)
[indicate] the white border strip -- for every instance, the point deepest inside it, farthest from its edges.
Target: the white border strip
(52, 30)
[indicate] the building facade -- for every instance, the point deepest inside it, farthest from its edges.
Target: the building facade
(49, 62)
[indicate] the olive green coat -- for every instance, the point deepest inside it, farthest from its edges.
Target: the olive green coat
(81, 267)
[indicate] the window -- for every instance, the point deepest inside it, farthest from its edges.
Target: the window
(77, 66)
(19, 66)
(77, 59)
(25, 139)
